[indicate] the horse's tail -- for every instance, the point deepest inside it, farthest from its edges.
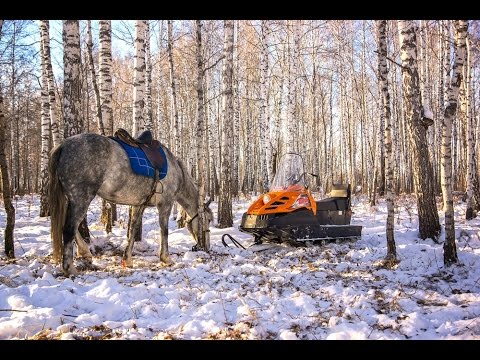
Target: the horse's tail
(58, 204)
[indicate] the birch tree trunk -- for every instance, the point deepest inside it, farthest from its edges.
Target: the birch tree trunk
(139, 77)
(473, 199)
(45, 133)
(385, 101)
(449, 247)
(236, 124)
(105, 74)
(45, 49)
(429, 225)
(72, 115)
(109, 210)
(225, 216)
(174, 117)
(71, 79)
(7, 196)
(147, 111)
(203, 235)
(98, 107)
(264, 132)
(291, 88)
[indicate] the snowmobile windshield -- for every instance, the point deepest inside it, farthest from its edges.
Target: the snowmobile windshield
(290, 172)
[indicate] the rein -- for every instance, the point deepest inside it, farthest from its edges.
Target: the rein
(191, 219)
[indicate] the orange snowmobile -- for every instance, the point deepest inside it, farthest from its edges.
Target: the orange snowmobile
(288, 212)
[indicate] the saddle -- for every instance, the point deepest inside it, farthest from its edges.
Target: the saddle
(145, 142)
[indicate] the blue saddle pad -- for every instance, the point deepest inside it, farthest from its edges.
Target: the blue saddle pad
(140, 163)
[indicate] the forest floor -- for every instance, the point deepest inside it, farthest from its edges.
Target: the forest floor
(332, 291)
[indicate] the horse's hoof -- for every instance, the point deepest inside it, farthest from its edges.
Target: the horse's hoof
(127, 263)
(71, 271)
(167, 261)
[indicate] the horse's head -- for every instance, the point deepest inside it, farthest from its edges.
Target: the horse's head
(196, 226)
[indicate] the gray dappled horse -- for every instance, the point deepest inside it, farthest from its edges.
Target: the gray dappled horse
(89, 164)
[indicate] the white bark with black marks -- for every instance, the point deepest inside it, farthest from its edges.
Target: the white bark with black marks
(203, 235)
(174, 118)
(45, 50)
(105, 88)
(147, 111)
(105, 74)
(139, 77)
(385, 102)
(429, 225)
(5, 178)
(449, 247)
(98, 107)
(264, 128)
(293, 40)
(71, 79)
(44, 128)
(225, 216)
(473, 196)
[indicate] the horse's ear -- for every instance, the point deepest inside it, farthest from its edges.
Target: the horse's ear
(208, 201)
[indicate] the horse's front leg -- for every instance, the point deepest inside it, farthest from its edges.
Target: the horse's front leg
(133, 232)
(163, 214)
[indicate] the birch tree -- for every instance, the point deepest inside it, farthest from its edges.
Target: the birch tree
(174, 112)
(147, 111)
(7, 196)
(45, 50)
(109, 210)
(203, 235)
(473, 198)
(45, 133)
(449, 247)
(225, 216)
(385, 102)
(139, 77)
(291, 86)
(98, 106)
(71, 79)
(264, 128)
(72, 115)
(429, 224)
(105, 75)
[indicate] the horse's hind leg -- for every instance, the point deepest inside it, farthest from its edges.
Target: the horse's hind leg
(75, 214)
(134, 232)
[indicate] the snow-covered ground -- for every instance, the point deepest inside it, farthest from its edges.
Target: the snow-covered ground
(333, 291)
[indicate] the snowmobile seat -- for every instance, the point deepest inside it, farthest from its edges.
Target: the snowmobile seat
(333, 204)
(340, 190)
(339, 200)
